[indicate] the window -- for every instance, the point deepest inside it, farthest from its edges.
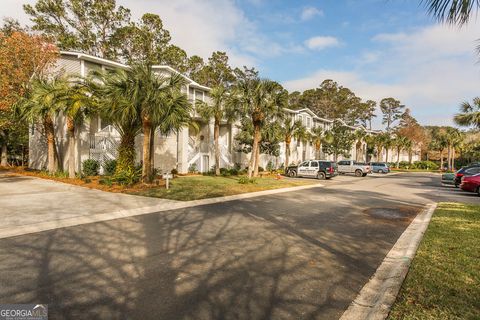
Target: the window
(343, 163)
(304, 164)
(473, 171)
(314, 164)
(309, 122)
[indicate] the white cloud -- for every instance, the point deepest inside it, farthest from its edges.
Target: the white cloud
(431, 70)
(309, 13)
(322, 42)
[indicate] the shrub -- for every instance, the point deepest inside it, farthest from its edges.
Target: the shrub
(237, 166)
(404, 165)
(260, 169)
(60, 174)
(106, 181)
(224, 172)
(109, 167)
(174, 171)
(426, 165)
(90, 167)
(270, 166)
(234, 172)
(128, 177)
(192, 168)
(246, 180)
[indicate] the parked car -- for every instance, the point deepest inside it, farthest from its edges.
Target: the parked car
(471, 184)
(360, 169)
(467, 171)
(380, 167)
(448, 178)
(320, 169)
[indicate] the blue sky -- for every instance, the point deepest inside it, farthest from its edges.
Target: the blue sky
(378, 48)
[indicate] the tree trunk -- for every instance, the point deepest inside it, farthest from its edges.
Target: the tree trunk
(453, 159)
(441, 160)
(152, 150)
(216, 135)
(71, 147)
(4, 150)
(448, 157)
(256, 139)
(287, 154)
(398, 158)
(257, 161)
(52, 150)
(147, 137)
(410, 155)
(126, 153)
(386, 155)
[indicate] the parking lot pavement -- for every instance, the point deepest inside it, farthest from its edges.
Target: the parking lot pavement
(297, 255)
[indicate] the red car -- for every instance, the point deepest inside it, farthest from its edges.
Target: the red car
(471, 184)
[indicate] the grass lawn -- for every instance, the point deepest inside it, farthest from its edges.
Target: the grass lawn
(201, 187)
(444, 278)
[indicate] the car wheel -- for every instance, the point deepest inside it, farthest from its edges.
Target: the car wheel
(364, 175)
(292, 173)
(358, 173)
(321, 176)
(478, 191)
(456, 185)
(380, 171)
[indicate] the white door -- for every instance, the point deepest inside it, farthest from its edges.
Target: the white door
(303, 169)
(313, 170)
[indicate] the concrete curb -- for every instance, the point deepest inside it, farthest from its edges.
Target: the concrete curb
(377, 297)
(74, 221)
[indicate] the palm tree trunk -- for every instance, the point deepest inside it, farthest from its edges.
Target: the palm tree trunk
(4, 150)
(147, 137)
(398, 158)
(410, 156)
(257, 161)
(453, 159)
(386, 155)
(448, 157)
(287, 153)
(216, 135)
(126, 152)
(71, 147)
(441, 159)
(52, 152)
(152, 150)
(256, 139)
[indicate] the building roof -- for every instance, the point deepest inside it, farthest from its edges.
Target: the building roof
(114, 64)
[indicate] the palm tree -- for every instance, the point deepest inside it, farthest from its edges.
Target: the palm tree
(136, 100)
(379, 142)
(161, 105)
(113, 92)
(387, 144)
(439, 143)
(290, 130)
(452, 11)
(469, 114)
(359, 137)
(76, 105)
(219, 109)
(43, 102)
(260, 100)
(317, 137)
(400, 143)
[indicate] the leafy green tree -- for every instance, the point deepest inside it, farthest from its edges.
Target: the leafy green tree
(392, 111)
(219, 109)
(147, 41)
(341, 144)
(367, 113)
(469, 114)
(259, 101)
(271, 138)
(439, 142)
(380, 141)
(42, 103)
(217, 72)
(90, 26)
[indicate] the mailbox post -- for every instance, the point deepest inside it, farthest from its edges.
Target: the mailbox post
(167, 177)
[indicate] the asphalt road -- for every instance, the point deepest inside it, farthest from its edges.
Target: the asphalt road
(297, 255)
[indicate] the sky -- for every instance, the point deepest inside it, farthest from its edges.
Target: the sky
(377, 48)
